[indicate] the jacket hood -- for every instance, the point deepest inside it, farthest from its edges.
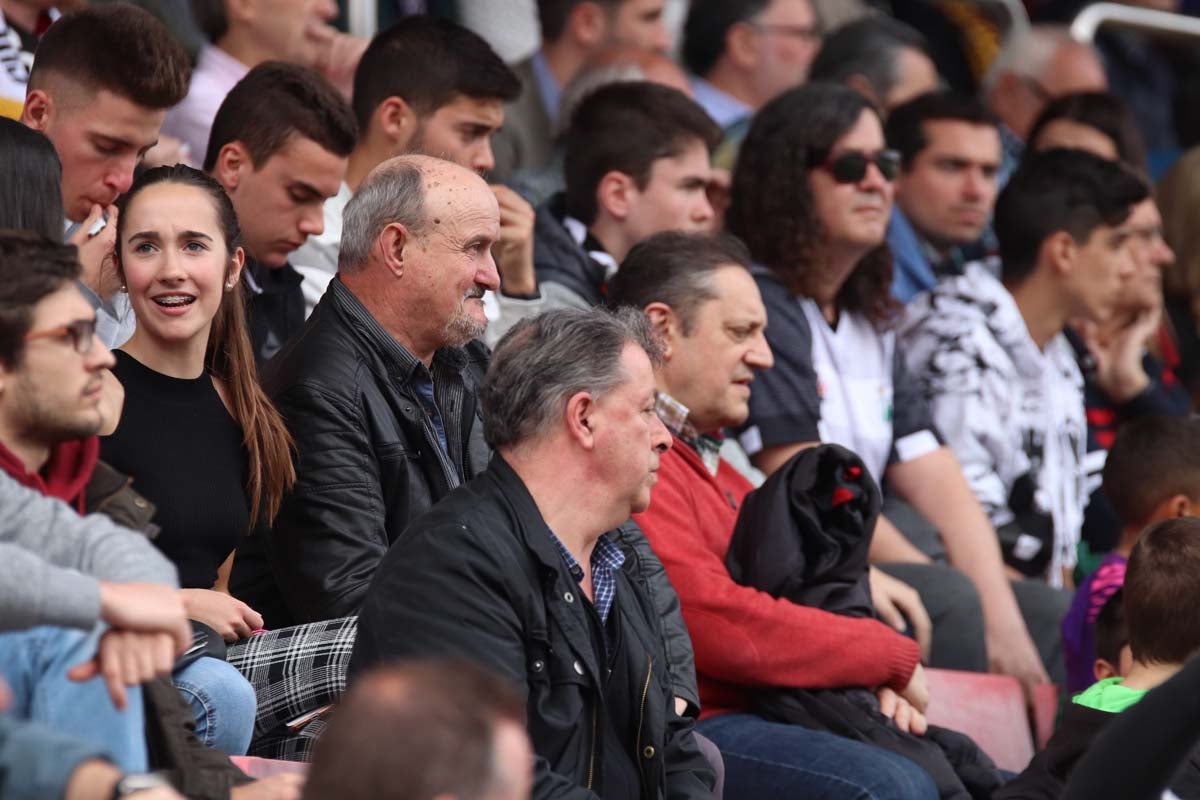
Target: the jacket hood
(66, 473)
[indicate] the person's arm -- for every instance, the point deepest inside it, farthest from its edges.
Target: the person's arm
(329, 535)
(443, 593)
(36, 762)
(746, 637)
(934, 485)
(52, 561)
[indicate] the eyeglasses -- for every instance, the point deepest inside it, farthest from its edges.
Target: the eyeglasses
(851, 166)
(807, 32)
(81, 332)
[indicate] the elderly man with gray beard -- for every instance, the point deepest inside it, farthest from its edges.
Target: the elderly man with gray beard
(378, 389)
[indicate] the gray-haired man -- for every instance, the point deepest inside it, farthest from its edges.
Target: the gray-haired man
(522, 569)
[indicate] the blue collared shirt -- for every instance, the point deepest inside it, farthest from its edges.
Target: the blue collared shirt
(724, 108)
(547, 86)
(607, 558)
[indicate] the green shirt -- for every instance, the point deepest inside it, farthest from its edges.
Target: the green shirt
(1109, 695)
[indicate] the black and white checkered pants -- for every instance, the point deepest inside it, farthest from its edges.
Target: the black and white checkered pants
(294, 671)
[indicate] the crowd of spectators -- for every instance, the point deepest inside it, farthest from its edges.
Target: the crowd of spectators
(608, 424)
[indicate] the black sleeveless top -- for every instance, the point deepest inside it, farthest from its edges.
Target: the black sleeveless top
(185, 454)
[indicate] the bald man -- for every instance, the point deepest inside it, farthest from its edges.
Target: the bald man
(378, 390)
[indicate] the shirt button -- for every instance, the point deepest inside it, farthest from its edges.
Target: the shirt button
(578, 667)
(648, 752)
(539, 665)
(570, 598)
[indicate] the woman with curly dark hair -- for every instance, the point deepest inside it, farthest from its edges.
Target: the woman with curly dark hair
(812, 197)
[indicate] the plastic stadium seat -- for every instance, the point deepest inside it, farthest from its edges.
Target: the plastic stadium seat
(266, 767)
(988, 708)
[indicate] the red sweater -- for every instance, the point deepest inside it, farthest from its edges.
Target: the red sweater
(744, 637)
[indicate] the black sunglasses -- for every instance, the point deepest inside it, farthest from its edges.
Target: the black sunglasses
(851, 166)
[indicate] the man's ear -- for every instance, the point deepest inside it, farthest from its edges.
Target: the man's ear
(240, 11)
(579, 414)
(391, 243)
(587, 23)
(741, 46)
(233, 162)
(1182, 506)
(614, 193)
(665, 323)
(397, 121)
(38, 111)
(1060, 250)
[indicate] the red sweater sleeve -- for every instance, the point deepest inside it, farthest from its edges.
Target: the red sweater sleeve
(743, 636)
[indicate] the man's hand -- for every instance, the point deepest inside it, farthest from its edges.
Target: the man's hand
(337, 55)
(127, 658)
(1118, 353)
(225, 614)
(1012, 652)
(277, 787)
(147, 608)
(899, 605)
(917, 691)
(901, 712)
(94, 251)
(514, 250)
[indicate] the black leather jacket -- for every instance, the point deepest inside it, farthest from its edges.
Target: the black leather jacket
(480, 577)
(364, 464)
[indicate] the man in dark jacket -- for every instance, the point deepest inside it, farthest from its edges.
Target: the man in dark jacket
(378, 390)
(521, 571)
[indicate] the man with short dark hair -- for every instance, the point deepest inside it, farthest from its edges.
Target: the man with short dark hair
(950, 158)
(459, 732)
(572, 32)
(102, 114)
(636, 163)
(279, 147)
(524, 572)
(882, 58)
(450, 108)
(745, 52)
(241, 36)
(1002, 380)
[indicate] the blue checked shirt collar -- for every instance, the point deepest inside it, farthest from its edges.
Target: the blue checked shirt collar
(607, 558)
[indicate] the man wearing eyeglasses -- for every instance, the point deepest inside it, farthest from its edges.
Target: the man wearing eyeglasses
(573, 31)
(743, 53)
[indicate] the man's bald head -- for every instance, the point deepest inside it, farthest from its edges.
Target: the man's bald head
(400, 190)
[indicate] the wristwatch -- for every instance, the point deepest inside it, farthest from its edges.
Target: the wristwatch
(131, 784)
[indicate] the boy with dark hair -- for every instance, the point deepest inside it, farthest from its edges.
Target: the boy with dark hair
(1161, 586)
(637, 163)
(1152, 473)
(950, 156)
(279, 147)
(449, 108)
(1002, 380)
(102, 113)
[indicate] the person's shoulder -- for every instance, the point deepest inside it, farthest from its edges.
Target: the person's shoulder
(325, 353)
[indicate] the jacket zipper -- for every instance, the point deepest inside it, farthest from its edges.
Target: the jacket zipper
(592, 753)
(642, 713)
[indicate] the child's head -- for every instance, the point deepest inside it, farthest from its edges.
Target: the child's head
(1112, 639)
(1162, 583)
(1153, 472)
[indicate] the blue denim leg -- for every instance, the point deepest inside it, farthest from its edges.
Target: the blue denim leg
(771, 759)
(34, 664)
(223, 702)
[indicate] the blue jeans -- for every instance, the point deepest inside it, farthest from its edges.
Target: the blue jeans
(34, 664)
(771, 759)
(222, 700)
